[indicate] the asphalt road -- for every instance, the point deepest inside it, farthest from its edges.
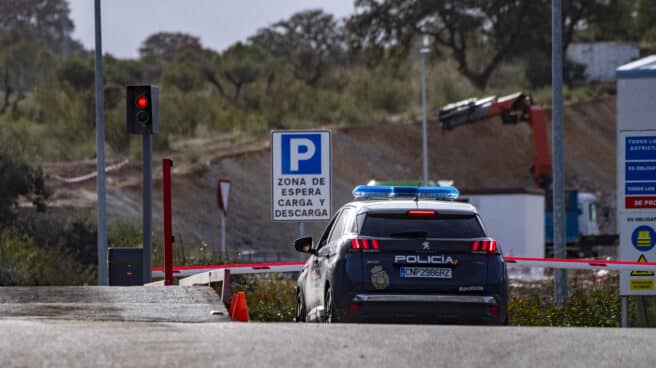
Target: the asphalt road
(113, 303)
(60, 343)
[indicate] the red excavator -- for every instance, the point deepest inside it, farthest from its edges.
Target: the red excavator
(583, 234)
(512, 109)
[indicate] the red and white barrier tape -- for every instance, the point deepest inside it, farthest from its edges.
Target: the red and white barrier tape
(580, 264)
(572, 264)
(235, 269)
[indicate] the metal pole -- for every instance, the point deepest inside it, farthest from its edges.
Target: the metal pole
(642, 311)
(624, 311)
(560, 251)
(223, 236)
(100, 153)
(168, 221)
(301, 229)
(424, 133)
(147, 206)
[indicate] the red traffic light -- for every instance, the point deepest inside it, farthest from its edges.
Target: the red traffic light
(142, 101)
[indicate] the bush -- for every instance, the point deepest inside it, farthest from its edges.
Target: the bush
(73, 233)
(268, 299)
(591, 303)
(23, 263)
(18, 178)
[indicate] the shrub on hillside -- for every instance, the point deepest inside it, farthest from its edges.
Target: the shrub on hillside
(24, 263)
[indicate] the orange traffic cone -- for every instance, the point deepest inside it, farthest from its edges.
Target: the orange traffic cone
(233, 305)
(239, 308)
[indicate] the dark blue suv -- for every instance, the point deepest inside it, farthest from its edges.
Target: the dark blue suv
(403, 254)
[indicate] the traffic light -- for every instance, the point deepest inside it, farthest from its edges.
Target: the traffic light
(142, 107)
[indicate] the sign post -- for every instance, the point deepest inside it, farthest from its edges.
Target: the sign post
(222, 195)
(167, 208)
(636, 176)
(301, 165)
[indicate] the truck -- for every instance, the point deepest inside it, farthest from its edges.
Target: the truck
(582, 209)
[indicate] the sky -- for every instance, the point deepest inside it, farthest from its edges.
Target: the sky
(218, 23)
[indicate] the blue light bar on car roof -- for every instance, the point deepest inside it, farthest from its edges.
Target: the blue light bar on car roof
(388, 192)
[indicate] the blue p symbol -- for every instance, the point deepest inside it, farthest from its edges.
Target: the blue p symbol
(301, 154)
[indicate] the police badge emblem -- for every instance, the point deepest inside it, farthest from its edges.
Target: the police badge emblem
(379, 278)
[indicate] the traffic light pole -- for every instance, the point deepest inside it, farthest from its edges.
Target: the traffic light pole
(147, 206)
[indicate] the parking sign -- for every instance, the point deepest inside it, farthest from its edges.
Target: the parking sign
(301, 175)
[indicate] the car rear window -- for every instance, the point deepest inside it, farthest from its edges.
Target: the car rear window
(441, 226)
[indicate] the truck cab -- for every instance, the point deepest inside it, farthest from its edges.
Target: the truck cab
(588, 214)
(582, 224)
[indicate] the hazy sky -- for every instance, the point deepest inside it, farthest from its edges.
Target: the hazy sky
(218, 23)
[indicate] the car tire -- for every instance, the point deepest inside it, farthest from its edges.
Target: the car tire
(300, 308)
(329, 304)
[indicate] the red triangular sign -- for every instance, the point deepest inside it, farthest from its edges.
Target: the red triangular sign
(223, 194)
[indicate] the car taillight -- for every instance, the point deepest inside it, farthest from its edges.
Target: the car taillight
(485, 246)
(422, 213)
(364, 244)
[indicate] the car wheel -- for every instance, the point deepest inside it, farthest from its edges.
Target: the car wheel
(300, 308)
(330, 306)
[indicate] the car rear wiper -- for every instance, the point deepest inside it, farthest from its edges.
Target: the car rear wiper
(409, 234)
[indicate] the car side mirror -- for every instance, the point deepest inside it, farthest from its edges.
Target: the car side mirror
(304, 245)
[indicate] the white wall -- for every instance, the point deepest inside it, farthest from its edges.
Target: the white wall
(516, 221)
(602, 58)
(636, 99)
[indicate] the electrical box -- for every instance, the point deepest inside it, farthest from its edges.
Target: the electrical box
(142, 108)
(126, 266)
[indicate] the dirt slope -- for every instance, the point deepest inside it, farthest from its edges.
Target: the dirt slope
(484, 155)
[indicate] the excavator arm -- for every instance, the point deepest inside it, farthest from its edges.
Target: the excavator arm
(512, 109)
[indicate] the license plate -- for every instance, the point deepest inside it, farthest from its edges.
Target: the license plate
(426, 272)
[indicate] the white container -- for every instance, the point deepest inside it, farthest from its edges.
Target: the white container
(602, 58)
(515, 218)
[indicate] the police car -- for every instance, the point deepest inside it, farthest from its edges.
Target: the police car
(403, 254)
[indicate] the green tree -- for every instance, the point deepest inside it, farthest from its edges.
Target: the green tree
(310, 41)
(46, 21)
(243, 65)
(23, 66)
(478, 34)
(77, 73)
(185, 72)
(166, 45)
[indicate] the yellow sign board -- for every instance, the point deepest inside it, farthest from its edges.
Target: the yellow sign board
(641, 285)
(642, 259)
